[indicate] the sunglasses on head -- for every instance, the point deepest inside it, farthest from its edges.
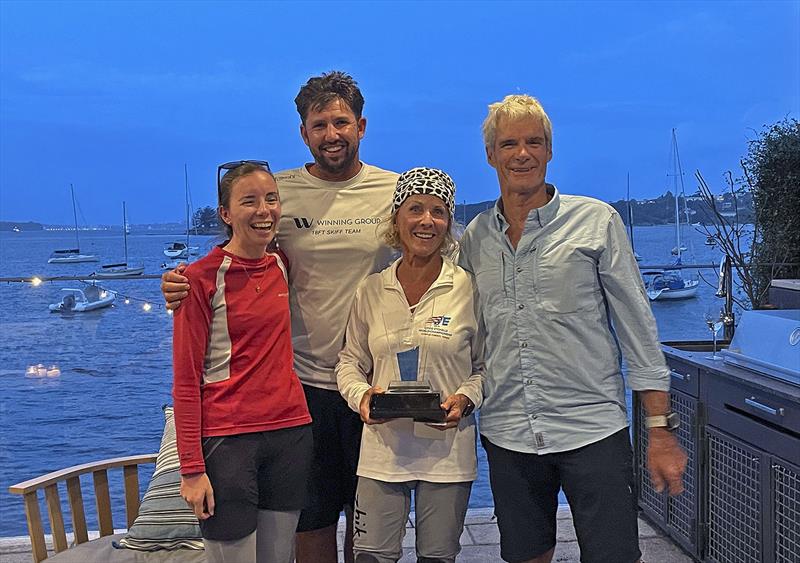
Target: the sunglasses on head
(236, 164)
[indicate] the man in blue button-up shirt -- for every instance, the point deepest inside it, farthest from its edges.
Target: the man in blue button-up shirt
(561, 296)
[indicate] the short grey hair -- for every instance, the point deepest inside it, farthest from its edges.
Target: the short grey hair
(515, 107)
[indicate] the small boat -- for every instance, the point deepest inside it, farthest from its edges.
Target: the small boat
(711, 241)
(121, 269)
(668, 284)
(15, 229)
(174, 263)
(90, 298)
(72, 255)
(180, 249)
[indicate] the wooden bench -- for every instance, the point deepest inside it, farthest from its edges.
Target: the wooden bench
(71, 476)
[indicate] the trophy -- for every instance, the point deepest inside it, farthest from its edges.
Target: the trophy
(408, 397)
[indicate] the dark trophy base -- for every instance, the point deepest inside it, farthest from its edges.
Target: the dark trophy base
(408, 400)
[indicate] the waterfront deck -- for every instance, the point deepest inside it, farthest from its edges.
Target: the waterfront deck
(480, 542)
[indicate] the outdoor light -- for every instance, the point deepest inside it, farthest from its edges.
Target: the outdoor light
(36, 282)
(127, 301)
(147, 306)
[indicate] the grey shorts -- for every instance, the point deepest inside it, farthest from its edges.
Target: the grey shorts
(381, 512)
(251, 472)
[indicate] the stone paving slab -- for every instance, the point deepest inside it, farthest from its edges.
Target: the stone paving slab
(480, 542)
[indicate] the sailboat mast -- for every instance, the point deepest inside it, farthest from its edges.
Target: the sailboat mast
(680, 178)
(676, 172)
(75, 217)
(630, 211)
(186, 201)
(125, 231)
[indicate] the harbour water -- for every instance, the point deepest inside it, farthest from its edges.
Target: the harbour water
(115, 363)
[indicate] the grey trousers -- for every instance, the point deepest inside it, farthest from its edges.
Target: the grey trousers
(272, 542)
(381, 511)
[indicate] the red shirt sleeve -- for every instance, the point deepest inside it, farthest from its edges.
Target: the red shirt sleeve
(191, 323)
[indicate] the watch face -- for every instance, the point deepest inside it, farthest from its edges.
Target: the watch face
(673, 421)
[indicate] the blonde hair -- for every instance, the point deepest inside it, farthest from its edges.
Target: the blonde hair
(515, 107)
(388, 232)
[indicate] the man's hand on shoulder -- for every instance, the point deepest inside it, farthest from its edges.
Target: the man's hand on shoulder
(666, 461)
(175, 286)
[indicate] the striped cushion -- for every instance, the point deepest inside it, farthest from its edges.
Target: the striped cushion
(165, 521)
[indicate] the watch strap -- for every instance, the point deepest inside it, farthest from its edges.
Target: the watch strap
(657, 421)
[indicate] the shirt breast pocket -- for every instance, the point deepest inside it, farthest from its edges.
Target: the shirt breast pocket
(492, 297)
(569, 286)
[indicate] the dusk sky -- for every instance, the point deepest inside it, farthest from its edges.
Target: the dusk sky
(114, 97)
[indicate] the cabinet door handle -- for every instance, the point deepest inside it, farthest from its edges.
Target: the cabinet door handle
(681, 376)
(762, 407)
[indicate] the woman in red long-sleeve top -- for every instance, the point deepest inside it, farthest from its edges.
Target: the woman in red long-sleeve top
(242, 423)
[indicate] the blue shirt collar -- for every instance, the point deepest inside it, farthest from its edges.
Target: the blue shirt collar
(537, 218)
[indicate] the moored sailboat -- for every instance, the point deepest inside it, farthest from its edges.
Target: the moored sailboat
(72, 255)
(670, 283)
(120, 269)
(182, 249)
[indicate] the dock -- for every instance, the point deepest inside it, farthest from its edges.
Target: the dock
(480, 542)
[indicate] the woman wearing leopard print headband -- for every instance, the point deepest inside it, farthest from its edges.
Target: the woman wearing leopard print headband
(422, 303)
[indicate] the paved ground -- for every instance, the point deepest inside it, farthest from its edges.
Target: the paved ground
(480, 543)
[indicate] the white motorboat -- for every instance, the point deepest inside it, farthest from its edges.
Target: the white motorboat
(90, 298)
(174, 263)
(121, 269)
(671, 283)
(178, 249)
(72, 255)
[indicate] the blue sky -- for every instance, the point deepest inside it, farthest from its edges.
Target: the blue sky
(115, 97)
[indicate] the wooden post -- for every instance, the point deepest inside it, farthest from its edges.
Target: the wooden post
(56, 517)
(76, 508)
(34, 518)
(131, 479)
(103, 501)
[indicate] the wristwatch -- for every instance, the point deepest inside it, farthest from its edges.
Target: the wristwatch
(671, 421)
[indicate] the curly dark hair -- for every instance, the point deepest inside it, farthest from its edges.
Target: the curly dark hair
(319, 91)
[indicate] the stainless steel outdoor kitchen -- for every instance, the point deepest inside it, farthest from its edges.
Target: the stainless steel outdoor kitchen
(740, 426)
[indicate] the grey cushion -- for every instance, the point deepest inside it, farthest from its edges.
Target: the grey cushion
(165, 521)
(102, 551)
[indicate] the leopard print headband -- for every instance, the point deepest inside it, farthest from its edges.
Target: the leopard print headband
(425, 181)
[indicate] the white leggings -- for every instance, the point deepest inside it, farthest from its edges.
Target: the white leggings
(272, 541)
(381, 511)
